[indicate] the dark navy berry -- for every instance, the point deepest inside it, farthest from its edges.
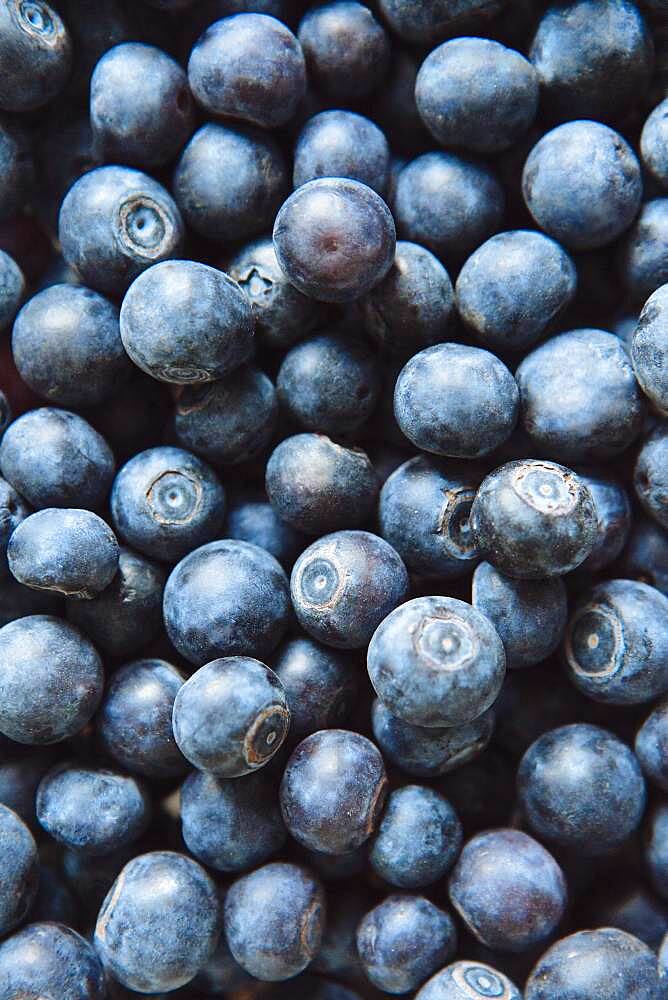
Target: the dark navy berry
(50, 960)
(613, 513)
(466, 980)
(17, 601)
(651, 746)
(342, 144)
(433, 20)
(251, 518)
(347, 51)
(12, 286)
(19, 872)
(656, 848)
(35, 54)
(642, 262)
(13, 510)
(19, 778)
(17, 167)
(321, 685)
(645, 557)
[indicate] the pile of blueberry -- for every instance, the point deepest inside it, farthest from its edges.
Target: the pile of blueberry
(334, 499)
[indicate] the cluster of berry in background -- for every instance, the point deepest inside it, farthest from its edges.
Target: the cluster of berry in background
(334, 499)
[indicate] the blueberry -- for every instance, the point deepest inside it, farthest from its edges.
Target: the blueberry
(231, 716)
(231, 825)
(335, 239)
(393, 105)
(230, 181)
(50, 680)
(613, 513)
(651, 746)
(251, 518)
(317, 485)
(12, 285)
(165, 501)
(423, 512)
(228, 421)
(632, 908)
(91, 877)
(616, 643)
(16, 166)
(333, 791)
(159, 923)
(642, 260)
(17, 601)
(19, 872)
(19, 778)
(448, 203)
(413, 306)
(533, 519)
(649, 349)
(476, 94)
(216, 340)
(599, 963)
(321, 685)
(338, 956)
(344, 585)
(512, 287)
(250, 67)
(594, 58)
(127, 614)
(347, 51)
(91, 809)
(13, 511)
(529, 615)
(656, 849)
(581, 788)
(429, 752)
(432, 20)
(49, 959)
(440, 394)
(134, 722)
(436, 661)
(73, 552)
(282, 314)
(465, 980)
(274, 920)
(654, 144)
(54, 458)
(342, 144)
(646, 555)
(403, 940)
(67, 346)
(582, 184)
(141, 109)
(418, 839)
(54, 902)
(220, 975)
(330, 384)
(226, 598)
(35, 55)
(114, 223)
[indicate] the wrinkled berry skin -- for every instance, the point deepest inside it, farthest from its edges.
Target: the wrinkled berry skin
(165, 501)
(581, 788)
(429, 752)
(580, 400)
(403, 940)
(656, 848)
(594, 213)
(534, 519)
(227, 598)
(54, 458)
(513, 286)
(274, 920)
(182, 321)
(465, 980)
(249, 67)
(67, 346)
(335, 239)
(282, 314)
(436, 661)
(342, 144)
(645, 557)
(128, 613)
(432, 20)
(614, 516)
(114, 223)
(159, 923)
(476, 94)
(35, 55)
(231, 716)
(654, 144)
(413, 306)
(605, 963)
(418, 839)
(320, 684)
(50, 959)
(73, 552)
(329, 384)
(13, 510)
(448, 204)
(642, 262)
(333, 790)
(650, 476)
(12, 286)
(231, 825)
(344, 585)
(509, 891)
(651, 746)
(19, 870)
(649, 349)
(347, 51)
(121, 812)
(529, 615)
(616, 643)
(230, 181)
(228, 421)
(251, 518)
(141, 110)
(593, 57)
(50, 680)
(317, 485)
